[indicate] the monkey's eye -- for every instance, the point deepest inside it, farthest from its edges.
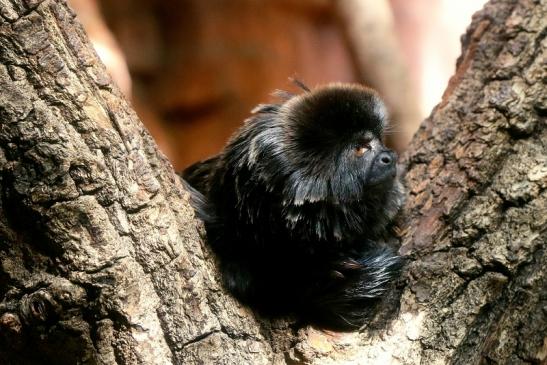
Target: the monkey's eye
(362, 148)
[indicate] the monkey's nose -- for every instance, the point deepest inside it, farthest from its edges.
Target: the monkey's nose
(386, 158)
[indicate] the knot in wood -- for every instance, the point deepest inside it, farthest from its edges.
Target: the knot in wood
(39, 307)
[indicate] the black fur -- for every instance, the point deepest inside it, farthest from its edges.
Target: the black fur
(296, 213)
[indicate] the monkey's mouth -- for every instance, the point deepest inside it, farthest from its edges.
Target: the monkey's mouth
(386, 177)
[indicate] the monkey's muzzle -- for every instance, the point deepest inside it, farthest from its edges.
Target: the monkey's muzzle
(383, 168)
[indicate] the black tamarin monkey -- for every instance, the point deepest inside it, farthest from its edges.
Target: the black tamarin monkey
(296, 204)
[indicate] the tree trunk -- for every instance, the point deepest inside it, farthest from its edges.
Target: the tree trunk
(102, 261)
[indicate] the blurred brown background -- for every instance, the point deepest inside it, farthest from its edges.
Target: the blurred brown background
(193, 69)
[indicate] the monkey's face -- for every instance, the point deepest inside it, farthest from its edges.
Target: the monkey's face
(333, 145)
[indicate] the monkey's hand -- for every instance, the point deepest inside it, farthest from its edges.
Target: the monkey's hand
(346, 299)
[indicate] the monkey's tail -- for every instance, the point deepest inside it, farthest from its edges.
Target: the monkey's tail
(352, 290)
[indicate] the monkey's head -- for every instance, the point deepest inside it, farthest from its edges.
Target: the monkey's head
(333, 145)
(322, 152)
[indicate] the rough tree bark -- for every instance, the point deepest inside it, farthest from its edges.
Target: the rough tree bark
(102, 261)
